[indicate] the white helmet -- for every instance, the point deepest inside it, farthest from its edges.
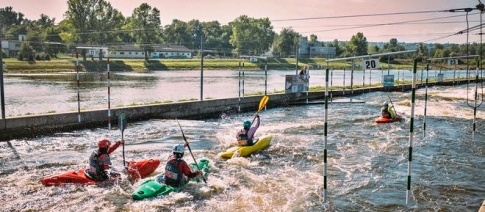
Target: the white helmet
(385, 104)
(179, 148)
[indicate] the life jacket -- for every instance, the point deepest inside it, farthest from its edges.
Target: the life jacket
(385, 113)
(96, 170)
(243, 138)
(173, 176)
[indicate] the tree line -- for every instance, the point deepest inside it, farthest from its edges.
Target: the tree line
(96, 22)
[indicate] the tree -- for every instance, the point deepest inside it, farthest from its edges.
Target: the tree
(286, 42)
(148, 32)
(251, 36)
(313, 38)
(357, 45)
(393, 46)
(177, 33)
(9, 18)
(423, 50)
(26, 51)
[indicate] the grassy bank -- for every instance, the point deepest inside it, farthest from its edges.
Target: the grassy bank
(68, 64)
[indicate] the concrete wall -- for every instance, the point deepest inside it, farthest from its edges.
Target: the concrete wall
(31, 126)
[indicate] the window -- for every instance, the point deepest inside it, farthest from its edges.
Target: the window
(122, 52)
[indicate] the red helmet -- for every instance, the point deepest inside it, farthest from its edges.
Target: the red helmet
(104, 143)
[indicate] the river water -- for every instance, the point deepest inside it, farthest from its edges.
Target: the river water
(367, 162)
(31, 94)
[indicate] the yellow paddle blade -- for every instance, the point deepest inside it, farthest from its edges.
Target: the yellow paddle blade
(263, 102)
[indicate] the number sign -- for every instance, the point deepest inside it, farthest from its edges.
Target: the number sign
(371, 64)
(453, 62)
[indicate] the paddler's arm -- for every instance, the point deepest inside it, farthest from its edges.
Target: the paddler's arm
(115, 146)
(184, 168)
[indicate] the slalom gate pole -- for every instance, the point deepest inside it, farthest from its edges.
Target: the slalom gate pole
(266, 81)
(411, 125)
(352, 79)
(325, 139)
(243, 80)
(78, 95)
(343, 92)
(109, 96)
(425, 100)
(239, 89)
(331, 85)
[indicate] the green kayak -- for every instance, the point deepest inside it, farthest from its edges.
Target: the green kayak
(152, 188)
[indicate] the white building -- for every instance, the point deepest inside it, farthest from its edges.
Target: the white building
(159, 51)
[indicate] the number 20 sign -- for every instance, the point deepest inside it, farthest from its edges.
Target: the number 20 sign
(371, 64)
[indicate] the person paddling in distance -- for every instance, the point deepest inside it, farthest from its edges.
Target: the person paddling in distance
(100, 168)
(387, 111)
(245, 137)
(177, 171)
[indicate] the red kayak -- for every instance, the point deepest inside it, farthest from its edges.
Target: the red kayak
(136, 170)
(387, 120)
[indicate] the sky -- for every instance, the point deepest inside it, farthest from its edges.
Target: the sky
(418, 20)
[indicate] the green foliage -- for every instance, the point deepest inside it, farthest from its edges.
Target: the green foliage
(251, 36)
(358, 45)
(285, 44)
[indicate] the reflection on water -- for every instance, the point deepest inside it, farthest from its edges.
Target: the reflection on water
(367, 162)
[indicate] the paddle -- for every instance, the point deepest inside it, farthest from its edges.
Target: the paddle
(262, 103)
(122, 125)
(195, 161)
(393, 107)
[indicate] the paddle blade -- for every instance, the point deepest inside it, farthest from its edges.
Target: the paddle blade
(122, 122)
(263, 102)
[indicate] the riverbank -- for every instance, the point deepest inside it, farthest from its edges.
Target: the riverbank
(68, 64)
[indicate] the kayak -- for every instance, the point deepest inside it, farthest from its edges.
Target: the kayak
(136, 170)
(153, 188)
(386, 120)
(244, 151)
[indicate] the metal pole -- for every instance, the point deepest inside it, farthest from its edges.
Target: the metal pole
(475, 102)
(239, 88)
(325, 139)
(109, 96)
(265, 80)
(201, 66)
(243, 80)
(343, 92)
(2, 87)
(454, 74)
(352, 79)
(78, 87)
(425, 100)
(297, 53)
(411, 126)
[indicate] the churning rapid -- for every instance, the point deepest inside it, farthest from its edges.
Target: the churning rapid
(367, 162)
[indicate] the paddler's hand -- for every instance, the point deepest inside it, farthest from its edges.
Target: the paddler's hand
(198, 173)
(122, 141)
(186, 143)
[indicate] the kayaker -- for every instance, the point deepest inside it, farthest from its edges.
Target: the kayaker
(177, 171)
(387, 111)
(245, 137)
(100, 163)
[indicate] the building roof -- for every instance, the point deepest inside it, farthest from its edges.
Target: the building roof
(156, 47)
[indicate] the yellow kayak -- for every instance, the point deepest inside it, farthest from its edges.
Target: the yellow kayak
(243, 151)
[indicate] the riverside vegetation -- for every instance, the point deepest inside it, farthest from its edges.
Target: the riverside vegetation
(68, 64)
